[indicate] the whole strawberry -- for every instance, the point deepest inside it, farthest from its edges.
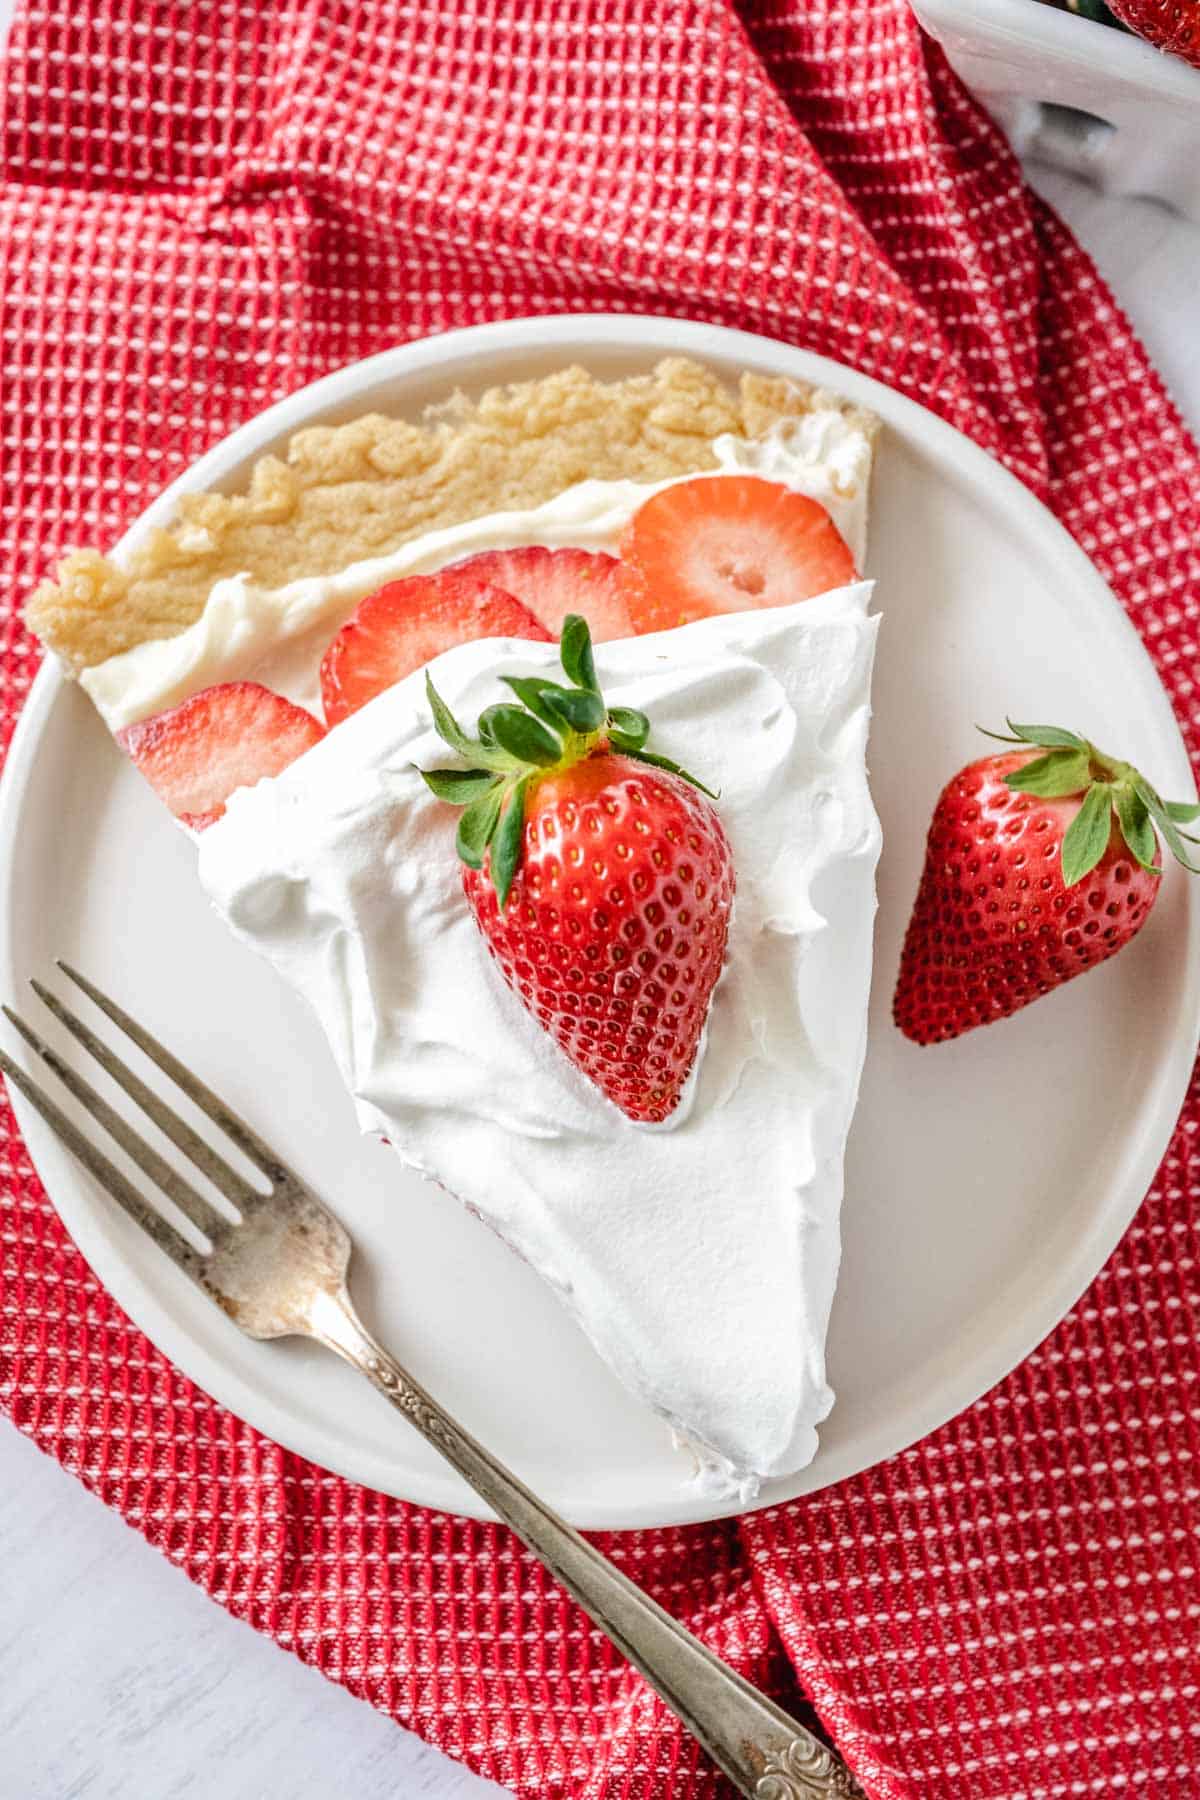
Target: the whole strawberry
(599, 875)
(1037, 867)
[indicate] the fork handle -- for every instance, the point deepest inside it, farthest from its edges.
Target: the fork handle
(765, 1753)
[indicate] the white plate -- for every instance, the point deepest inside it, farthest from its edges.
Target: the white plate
(987, 1180)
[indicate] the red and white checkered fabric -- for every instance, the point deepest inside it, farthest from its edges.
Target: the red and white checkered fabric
(207, 203)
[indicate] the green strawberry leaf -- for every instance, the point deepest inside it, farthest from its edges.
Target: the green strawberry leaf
(533, 691)
(523, 736)
(579, 708)
(487, 756)
(575, 652)
(1175, 845)
(1158, 812)
(1061, 772)
(1086, 837)
(1183, 812)
(506, 846)
(483, 726)
(627, 728)
(477, 826)
(458, 786)
(1047, 737)
(1160, 808)
(998, 737)
(1136, 829)
(672, 768)
(445, 723)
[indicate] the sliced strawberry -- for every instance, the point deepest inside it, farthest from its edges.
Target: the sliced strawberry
(727, 543)
(196, 754)
(553, 583)
(405, 625)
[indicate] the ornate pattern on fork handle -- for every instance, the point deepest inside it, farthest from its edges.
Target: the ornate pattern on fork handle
(805, 1770)
(425, 1414)
(767, 1754)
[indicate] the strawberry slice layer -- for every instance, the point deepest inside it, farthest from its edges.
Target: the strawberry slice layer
(728, 543)
(195, 755)
(553, 583)
(405, 625)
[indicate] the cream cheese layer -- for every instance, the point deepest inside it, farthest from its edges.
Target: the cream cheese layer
(278, 635)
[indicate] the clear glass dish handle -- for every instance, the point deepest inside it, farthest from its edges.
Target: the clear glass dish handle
(765, 1753)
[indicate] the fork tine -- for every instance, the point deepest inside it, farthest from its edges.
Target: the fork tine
(235, 1127)
(226, 1179)
(106, 1173)
(193, 1205)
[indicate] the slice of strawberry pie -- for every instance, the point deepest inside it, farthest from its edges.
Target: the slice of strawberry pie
(529, 744)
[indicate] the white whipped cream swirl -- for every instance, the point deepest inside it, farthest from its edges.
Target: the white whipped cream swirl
(700, 1260)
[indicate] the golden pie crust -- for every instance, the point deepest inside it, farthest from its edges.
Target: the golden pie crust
(346, 492)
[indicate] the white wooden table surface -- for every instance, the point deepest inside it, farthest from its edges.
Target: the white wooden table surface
(121, 1681)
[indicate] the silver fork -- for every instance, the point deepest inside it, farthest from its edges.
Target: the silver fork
(281, 1271)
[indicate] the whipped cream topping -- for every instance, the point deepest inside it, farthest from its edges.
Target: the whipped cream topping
(279, 635)
(700, 1260)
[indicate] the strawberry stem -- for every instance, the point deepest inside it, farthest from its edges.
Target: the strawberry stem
(553, 727)
(1073, 765)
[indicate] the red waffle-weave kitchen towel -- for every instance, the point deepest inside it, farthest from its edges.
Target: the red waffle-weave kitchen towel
(207, 203)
